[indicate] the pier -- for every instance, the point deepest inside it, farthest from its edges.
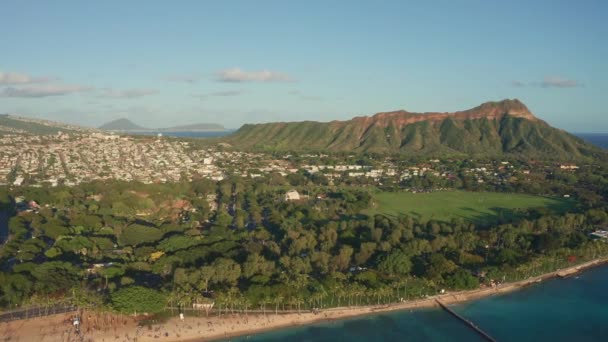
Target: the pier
(470, 324)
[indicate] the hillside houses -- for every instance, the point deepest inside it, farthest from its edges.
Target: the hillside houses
(31, 160)
(568, 167)
(27, 160)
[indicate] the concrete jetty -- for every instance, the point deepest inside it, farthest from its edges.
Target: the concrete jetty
(470, 324)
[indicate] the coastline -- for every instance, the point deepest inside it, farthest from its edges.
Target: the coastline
(123, 328)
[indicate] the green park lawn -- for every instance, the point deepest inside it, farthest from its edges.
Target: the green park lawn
(482, 207)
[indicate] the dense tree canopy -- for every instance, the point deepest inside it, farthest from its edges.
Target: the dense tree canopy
(237, 242)
(132, 299)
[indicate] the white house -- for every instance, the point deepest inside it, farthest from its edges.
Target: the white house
(292, 195)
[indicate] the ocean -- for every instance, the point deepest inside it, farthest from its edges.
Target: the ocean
(185, 134)
(599, 139)
(571, 309)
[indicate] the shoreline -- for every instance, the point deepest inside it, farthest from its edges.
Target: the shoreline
(124, 328)
(429, 302)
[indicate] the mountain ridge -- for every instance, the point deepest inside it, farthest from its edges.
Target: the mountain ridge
(126, 125)
(492, 128)
(14, 124)
(490, 110)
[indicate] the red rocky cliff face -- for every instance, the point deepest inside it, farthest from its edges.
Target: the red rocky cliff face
(490, 110)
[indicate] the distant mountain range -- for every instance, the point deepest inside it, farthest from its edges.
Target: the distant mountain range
(491, 129)
(126, 125)
(12, 124)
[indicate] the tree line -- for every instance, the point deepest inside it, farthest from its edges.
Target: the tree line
(134, 247)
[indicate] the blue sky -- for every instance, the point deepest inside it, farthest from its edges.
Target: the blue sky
(163, 63)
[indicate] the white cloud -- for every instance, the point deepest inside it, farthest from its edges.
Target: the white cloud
(237, 75)
(517, 84)
(193, 78)
(14, 78)
(127, 93)
(24, 85)
(549, 82)
(227, 93)
(312, 98)
(222, 93)
(558, 82)
(35, 91)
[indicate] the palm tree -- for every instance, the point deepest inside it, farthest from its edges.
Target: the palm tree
(336, 292)
(401, 283)
(298, 300)
(358, 291)
(322, 296)
(316, 298)
(172, 298)
(350, 293)
(277, 300)
(232, 297)
(265, 300)
(346, 294)
(221, 299)
(386, 293)
(245, 302)
(291, 301)
(341, 292)
(378, 294)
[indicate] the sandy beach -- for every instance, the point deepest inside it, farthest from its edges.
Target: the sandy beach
(103, 327)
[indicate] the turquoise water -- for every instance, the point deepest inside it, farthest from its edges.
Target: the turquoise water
(419, 325)
(572, 309)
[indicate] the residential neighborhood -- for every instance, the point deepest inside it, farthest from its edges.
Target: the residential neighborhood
(71, 159)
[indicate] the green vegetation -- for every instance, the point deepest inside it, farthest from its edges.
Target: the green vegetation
(135, 299)
(481, 207)
(135, 247)
(30, 127)
(5, 200)
(479, 135)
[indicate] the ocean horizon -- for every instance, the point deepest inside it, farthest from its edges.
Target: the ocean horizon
(598, 139)
(569, 309)
(186, 134)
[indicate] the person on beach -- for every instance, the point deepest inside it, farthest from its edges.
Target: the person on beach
(76, 323)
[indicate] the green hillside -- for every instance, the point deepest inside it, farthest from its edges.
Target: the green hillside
(10, 124)
(490, 129)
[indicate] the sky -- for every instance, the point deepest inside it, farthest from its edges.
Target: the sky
(166, 63)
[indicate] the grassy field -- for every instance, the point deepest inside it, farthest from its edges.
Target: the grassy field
(483, 207)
